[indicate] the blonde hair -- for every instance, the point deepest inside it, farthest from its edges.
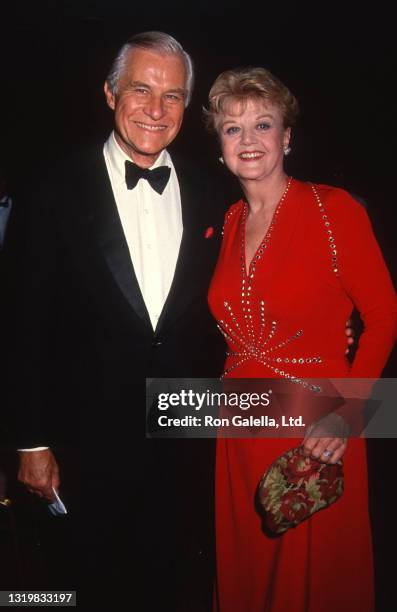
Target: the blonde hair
(243, 84)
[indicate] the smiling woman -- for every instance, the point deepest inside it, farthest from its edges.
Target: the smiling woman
(253, 139)
(288, 275)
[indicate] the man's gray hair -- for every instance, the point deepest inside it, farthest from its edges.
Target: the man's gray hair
(155, 41)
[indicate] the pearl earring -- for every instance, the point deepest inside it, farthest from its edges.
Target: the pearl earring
(287, 150)
(221, 159)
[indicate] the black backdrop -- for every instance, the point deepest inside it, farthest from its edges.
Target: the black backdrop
(340, 62)
(342, 66)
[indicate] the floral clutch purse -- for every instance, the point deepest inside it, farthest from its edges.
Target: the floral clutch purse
(295, 487)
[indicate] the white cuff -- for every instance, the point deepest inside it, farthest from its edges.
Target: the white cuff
(31, 450)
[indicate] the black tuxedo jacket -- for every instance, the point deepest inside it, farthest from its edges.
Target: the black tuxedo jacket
(87, 345)
(87, 341)
(10, 265)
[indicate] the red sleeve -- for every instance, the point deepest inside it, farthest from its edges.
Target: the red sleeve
(365, 278)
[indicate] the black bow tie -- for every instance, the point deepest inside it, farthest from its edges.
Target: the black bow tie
(158, 177)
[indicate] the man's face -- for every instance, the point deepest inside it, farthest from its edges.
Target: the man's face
(149, 104)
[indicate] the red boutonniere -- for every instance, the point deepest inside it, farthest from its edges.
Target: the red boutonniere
(209, 232)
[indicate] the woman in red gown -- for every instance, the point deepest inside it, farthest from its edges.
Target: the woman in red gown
(295, 259)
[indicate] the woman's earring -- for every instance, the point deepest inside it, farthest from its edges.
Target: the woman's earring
(287, 150)
(221, 159)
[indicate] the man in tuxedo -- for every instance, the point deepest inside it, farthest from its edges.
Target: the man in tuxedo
(121, 246)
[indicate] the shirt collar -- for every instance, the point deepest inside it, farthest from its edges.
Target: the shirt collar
(117, 158)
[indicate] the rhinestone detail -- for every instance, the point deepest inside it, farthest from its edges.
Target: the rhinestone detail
(262, 348)
(265, 243)
(328, 232)
(228, 215)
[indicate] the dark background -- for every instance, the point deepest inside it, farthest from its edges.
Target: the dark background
(340, 61)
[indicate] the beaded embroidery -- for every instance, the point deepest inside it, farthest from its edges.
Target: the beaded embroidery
(228, 215)
(329, 232)
(248, 279)
(265, 242)
(262, 348)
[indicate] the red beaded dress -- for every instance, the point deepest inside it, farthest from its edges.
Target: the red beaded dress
(286, 317)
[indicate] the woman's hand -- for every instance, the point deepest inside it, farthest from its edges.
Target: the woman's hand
(326, 440)
(327, 450)
(351, 335)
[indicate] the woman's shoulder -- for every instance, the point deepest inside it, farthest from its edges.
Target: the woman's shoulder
(233, 213)
(234, 210)
(337, 202)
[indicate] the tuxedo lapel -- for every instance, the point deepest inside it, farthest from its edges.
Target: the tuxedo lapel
(192, 260)
(196, 254)
(109, 235)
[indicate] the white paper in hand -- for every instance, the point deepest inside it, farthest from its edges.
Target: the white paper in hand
(57, 506)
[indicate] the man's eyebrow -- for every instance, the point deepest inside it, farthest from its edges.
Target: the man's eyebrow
(178, 90)
(138, 84)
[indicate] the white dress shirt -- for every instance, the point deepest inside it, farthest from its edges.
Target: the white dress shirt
(152, 225)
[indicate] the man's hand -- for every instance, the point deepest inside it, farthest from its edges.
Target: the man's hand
(38, 471)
